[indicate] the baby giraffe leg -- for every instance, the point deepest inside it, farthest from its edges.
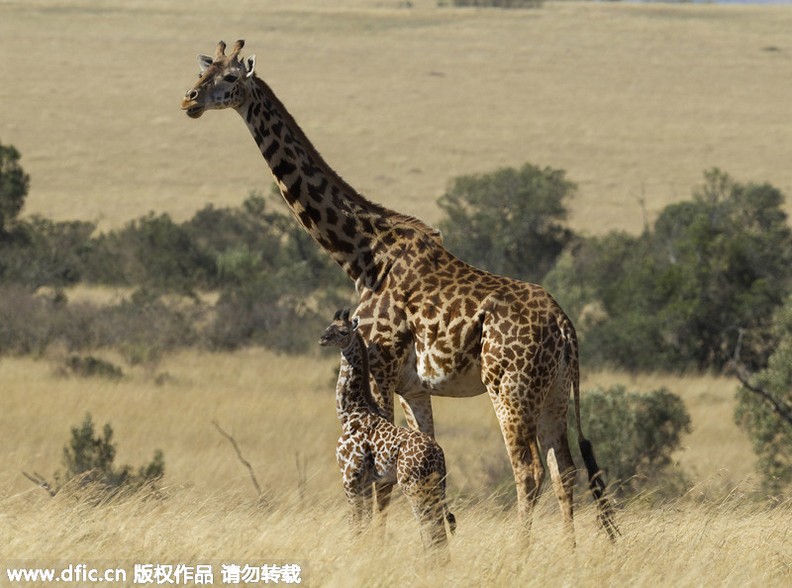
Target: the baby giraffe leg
(359, 499)
(427, 499)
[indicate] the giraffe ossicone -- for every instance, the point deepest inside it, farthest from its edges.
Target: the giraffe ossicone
(435, 325)
(372, 449)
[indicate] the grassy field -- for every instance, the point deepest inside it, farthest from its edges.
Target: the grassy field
(634, 101)
(715, 535)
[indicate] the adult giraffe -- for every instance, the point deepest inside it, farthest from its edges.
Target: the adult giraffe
(435, 325)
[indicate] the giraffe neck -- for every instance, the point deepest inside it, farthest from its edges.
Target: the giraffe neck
(354, 395)
(342, 221)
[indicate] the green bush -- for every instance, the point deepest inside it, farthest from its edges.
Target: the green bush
(91, 367)
(509, 221)
(145, 326)
(634, 436)
(154, 252)
(89, 462)
(764, 411)
(711, 271)
(40, 252)
(268, 272)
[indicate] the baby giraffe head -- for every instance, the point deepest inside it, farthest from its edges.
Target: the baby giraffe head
(341, 332)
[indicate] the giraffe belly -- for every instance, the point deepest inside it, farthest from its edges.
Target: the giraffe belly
(441, 377)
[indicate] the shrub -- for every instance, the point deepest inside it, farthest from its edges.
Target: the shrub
(267, 312)
(25, 321)
(764, 408)
(634, 436)
(156, 252)
(90, 459)
(90, 367)
(40, 252)
(271, 276)
(679, 296)
(144, 326)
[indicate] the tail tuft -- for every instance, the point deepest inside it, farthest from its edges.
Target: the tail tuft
(597, 486)
(451, 521)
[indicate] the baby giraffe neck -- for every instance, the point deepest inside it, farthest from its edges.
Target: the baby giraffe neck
(355, 394)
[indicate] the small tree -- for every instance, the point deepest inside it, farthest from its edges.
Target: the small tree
(89, 461)
(14, 184)
(90, 458)
(509, 221)
(764, 407)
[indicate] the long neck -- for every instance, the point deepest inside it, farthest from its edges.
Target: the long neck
(342, 221)
(354, 395)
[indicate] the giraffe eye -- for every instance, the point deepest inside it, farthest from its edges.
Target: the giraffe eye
(230, 78)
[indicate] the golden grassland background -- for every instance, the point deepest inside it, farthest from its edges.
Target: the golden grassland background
(633, 101)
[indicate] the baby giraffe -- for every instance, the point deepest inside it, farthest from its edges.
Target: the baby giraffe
(372, 448)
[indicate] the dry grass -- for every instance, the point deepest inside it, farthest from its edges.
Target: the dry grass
(634, 101)
(696, 546)
(279, 409)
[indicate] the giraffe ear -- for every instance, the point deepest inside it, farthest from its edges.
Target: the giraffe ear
(355, 323)
(204, 61)
(250, 64)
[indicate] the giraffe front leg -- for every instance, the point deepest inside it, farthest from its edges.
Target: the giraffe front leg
(357, 481)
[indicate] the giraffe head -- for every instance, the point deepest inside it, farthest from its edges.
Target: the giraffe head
(341, 332)
(221, 82)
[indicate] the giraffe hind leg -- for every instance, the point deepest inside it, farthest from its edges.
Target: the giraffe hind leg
(519, 430)
(427, 500)
(553, 441)
(359, 499)
(563, 479)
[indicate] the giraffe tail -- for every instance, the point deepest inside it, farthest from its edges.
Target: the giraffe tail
(597, 487)
(596, 481)
(450, 519)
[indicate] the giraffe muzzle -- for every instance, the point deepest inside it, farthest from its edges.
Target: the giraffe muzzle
(188, 103)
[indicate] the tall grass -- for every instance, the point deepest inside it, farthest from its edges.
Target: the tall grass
(280, 411)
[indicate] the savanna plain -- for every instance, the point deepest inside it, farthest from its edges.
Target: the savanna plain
(633, 101)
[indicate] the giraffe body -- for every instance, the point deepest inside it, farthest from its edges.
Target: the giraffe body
(372, 449)
(434, 324)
